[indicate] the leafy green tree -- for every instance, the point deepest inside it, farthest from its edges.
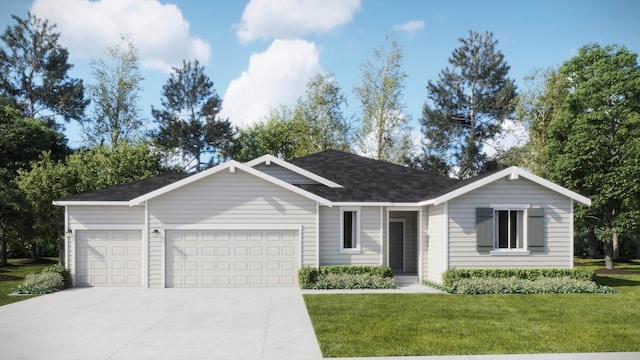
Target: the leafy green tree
(22, 140)
(86, 170)
(594, 145)
(189, 119)
(320, 118)
(115, 95)
(384, 132)
(277, 136)
(467, 105)
(34, 71)
(540, 103)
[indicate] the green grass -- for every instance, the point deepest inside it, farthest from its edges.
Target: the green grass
(361, 325)
(19, 268)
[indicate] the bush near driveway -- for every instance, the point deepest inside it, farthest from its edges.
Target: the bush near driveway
(14, 274)
(52, 278)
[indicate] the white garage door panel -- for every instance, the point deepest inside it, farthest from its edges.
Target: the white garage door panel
(109, 258)
(231, 258)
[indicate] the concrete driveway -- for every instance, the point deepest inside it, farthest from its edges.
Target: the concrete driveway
(98, 323)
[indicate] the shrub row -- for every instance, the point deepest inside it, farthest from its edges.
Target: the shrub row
(346, 277)
(515, 285)
(52, 278)
(452, 276)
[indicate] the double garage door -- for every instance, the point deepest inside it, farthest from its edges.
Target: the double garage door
(192, 258)
(231, 258)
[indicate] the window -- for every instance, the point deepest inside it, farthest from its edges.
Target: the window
(505, 229)
(350, 229)
(509, 229)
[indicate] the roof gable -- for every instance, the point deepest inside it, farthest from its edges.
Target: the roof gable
(269, 159)
(513, 173)
(231, 166)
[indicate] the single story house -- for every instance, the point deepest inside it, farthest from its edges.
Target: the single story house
(257, 223)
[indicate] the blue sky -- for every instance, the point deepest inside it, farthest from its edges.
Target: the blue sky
(260, 53)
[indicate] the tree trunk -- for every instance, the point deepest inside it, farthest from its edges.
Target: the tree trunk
(34, 250)
(638, 247)
(616, 247)
(3, 246)
(608, 254)
(593, 244)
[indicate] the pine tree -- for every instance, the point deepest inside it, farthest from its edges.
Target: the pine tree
(467, 105)
(189, 119)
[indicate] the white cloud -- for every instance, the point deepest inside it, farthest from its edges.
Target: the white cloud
(274, 77)
(159, 31)
(410, 27)
(265, 19)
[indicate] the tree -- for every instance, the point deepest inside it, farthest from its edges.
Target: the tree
(277, 136)
(384, 132)
(22, 140)
(34, 71)
(115, 95)
(86, 170)
(594, 145)
(539, 105)
(320, 118)
(189, 119)
(469, 102)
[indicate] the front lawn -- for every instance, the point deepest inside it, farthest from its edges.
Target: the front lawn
(14, 274)
(438, 324)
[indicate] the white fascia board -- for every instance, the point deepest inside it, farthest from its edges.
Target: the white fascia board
(388, 204)
(268, 159)
(513, 173)
(230, 165)
(91, 203)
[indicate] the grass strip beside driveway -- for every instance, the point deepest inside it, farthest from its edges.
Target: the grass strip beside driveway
(16, 271)
(437, 324)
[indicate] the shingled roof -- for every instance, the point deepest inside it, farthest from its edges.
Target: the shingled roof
(368, 180)
(363, 180)
(128, 191)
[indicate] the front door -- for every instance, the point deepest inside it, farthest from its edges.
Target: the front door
(396, 246)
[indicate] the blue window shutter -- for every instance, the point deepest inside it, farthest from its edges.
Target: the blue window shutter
(535, 229)
(484, 229)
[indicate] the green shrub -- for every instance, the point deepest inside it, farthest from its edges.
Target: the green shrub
(514, 285)
(451, 276)
(381, 271)
(346, 277)
(59, 269)
(307, 276)
(353, 281)
(42, 283)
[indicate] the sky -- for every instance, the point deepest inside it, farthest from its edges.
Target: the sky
(260, 53)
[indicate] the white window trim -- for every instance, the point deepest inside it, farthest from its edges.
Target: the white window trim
(517, 251)
(357, 237)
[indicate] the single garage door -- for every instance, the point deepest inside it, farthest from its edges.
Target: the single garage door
(109, 258)
(231, 258)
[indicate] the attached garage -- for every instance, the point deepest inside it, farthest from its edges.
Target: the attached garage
(231, 258)
(109, 258)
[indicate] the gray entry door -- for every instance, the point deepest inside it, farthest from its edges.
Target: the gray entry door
(396, 245)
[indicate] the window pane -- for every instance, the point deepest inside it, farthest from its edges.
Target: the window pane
(348, 230)
(503, 228)
(520, 230)
(513, 229)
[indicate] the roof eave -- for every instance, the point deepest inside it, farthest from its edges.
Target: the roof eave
(90, 203)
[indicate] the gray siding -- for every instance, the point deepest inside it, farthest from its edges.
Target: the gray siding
(284, 174)
(370, 237)
(435, 252)
(462, 218)
(231, 199)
